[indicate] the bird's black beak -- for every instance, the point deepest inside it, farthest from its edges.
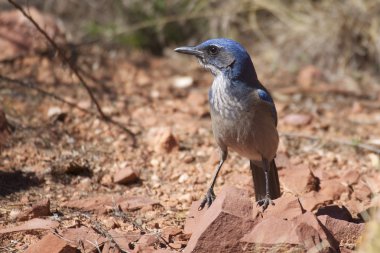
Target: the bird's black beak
(189, 50)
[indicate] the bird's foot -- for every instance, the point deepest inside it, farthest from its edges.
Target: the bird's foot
(208, 199)
(264, 203)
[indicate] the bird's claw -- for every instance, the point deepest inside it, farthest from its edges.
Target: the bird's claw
(264, 203)
(208, 199)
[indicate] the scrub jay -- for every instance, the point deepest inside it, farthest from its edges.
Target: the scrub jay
(244, 117)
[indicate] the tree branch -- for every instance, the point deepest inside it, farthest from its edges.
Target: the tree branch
(71, 104)
(73, 68)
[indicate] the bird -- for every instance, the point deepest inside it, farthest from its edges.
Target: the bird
(243, 115)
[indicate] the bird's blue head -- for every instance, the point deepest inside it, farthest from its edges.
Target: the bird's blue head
(224, 56)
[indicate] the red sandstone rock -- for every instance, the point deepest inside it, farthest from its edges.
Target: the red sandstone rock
(344, 232)
(123, 239)
(148, 240)
(84, 237)
(298, 179)
(223, 224)
(286, 207)
(162, 139)
(169, 232)
(351, 177)
(193, 218)
(39, 209)
(126, 176)
(51, 244)
(332, 188)
(302, 233)
(312, 200)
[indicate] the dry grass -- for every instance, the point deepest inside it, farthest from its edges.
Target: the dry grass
(341, 37)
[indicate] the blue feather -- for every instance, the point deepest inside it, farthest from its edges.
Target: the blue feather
(264, 95)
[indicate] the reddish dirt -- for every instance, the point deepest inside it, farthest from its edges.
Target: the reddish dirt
(52, 151)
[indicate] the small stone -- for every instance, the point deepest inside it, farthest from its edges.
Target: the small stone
(169, 232)
(188, 159)
(106, 180)
(162, 139)
(297, 119)
(51, 244)
(182, 82)
(39, 209)
(183, 178)
(52, 111)
(134, 203)
(14, 214)
(126, 176)
(375, 160)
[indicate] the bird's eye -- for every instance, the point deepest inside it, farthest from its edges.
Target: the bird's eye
(213, 50)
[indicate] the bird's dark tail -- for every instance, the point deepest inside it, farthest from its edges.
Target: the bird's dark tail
(259, 181)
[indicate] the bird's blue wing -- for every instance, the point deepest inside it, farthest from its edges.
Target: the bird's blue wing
(265, 96)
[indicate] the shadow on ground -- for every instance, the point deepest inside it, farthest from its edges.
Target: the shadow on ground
(14, 181)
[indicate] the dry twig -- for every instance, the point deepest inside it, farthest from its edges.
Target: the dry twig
(117, 212)
(98, 227)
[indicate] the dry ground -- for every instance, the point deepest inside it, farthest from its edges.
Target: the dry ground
(61, 153)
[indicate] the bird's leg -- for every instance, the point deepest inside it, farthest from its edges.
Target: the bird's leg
(210, 195)
(267, 200)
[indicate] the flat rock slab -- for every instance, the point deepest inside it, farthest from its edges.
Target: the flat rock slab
(286, 207)
(347, 234)
(84, 238)
(302, 233)
(51, 244)
(33, 224)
